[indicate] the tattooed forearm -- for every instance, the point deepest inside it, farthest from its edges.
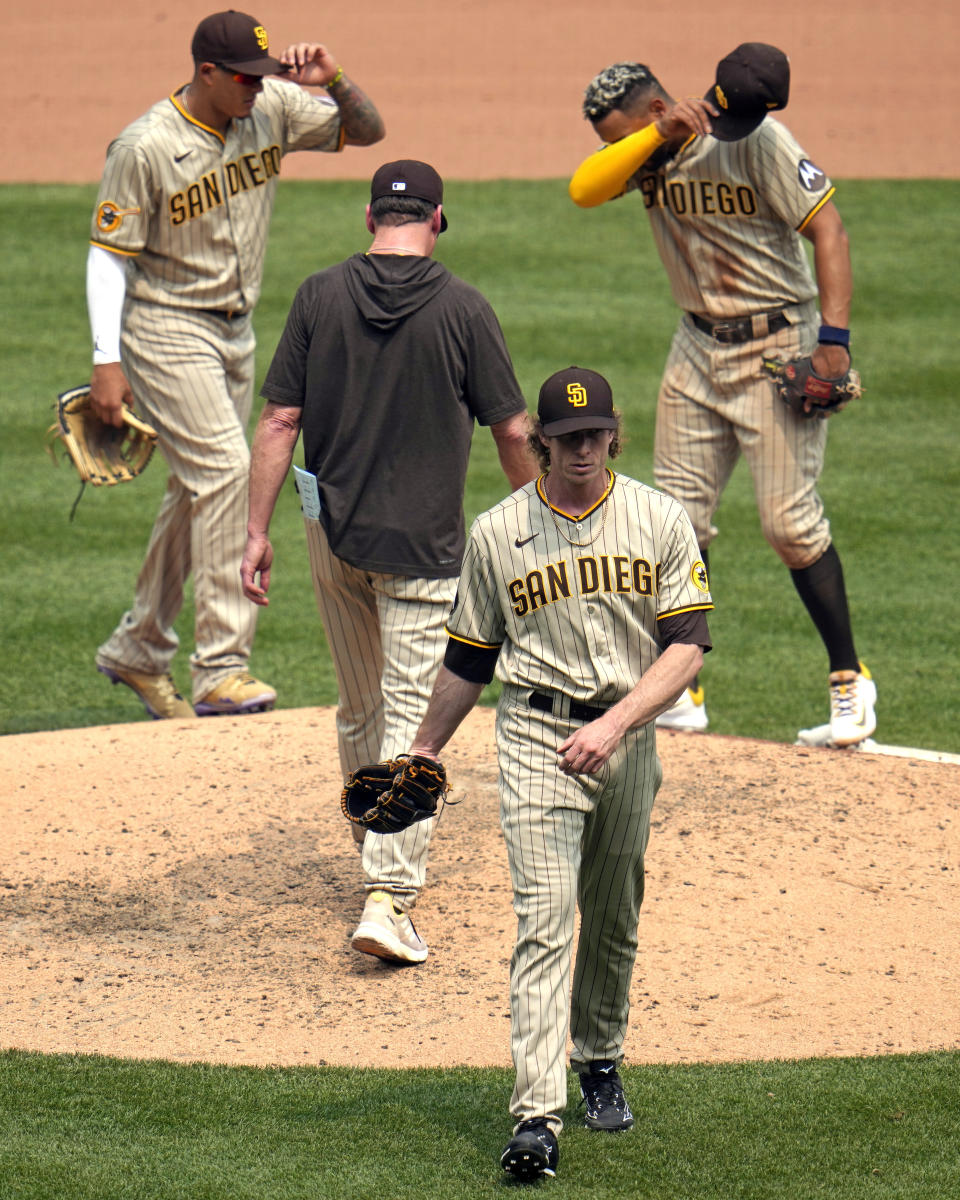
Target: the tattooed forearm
(362, 124)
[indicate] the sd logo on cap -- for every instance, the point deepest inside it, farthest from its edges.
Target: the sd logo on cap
(575, 398)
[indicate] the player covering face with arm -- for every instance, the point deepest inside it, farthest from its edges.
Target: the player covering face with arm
(730, 196)
(585, 592)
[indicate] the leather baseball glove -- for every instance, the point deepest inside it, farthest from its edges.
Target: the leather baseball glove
(390, 796)
(809, 394)
(103, 454)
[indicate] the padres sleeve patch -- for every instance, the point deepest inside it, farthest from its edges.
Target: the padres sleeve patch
(110, 217)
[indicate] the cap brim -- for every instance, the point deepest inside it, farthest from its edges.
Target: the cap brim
(572, 424)
(260, 66)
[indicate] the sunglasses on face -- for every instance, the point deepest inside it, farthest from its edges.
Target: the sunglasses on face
(240, 77)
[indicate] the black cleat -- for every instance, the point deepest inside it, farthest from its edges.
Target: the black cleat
(532, 1151)
(602, 1092)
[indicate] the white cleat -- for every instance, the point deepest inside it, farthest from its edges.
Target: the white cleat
(387, 933)
(853, 696)
(853, 717)
(689, 712)
(820, 735)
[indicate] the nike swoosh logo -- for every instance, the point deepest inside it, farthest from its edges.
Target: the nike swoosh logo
(181, 157)
(522, 542)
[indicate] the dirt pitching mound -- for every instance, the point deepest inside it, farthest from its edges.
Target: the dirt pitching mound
(187, 890)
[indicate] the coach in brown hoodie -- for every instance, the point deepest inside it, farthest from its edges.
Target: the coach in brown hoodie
(386, 362)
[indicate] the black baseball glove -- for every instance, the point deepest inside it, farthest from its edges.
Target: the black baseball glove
(809, 394)
(390, 796)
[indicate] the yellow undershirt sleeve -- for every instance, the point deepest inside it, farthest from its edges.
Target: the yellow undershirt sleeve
(604, 174)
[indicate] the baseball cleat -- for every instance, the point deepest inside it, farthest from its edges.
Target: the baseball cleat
(386, 932)
(158, 693)
(603, 1098)
(820, 736)
(853, 696)
(239, 693)
(532, 1151)
(689, 712)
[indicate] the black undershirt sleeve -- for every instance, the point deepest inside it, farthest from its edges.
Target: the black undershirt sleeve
(689, 627)
(475, 664)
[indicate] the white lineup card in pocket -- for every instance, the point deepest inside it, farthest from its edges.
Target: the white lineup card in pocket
(309, 493)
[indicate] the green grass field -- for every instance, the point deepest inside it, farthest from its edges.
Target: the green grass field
(75, 1128)
(569, 286)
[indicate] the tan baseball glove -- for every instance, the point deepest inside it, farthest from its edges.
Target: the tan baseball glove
(103, 454)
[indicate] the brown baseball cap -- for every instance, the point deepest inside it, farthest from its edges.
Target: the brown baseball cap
(234, 39)
(751, 81)
(573, 399)
(408, 177)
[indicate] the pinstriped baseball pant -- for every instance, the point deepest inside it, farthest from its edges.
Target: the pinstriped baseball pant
(387, 639)
(571, 842)
(716, 404)
(192, 378)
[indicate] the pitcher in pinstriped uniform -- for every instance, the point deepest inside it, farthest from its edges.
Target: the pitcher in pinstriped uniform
(585, 592)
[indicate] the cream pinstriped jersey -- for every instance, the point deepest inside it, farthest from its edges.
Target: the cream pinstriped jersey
(191, 207)
(726, 216)
(578, 619)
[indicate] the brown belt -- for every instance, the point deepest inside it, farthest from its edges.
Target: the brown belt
(745, 329)
(578, 712)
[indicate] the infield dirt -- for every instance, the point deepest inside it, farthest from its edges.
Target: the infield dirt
(493, 89)
(799, 902)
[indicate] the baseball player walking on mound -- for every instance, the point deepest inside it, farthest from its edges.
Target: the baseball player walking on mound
(584, 590)
(386, 362)
(173, 273)
(730, 196)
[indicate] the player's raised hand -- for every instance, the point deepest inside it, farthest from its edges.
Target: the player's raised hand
(690, 115)
(311, 63)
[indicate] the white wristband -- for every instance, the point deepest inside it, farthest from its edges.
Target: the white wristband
(106, 289)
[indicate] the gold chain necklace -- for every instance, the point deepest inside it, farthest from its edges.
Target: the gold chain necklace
(563, 533)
